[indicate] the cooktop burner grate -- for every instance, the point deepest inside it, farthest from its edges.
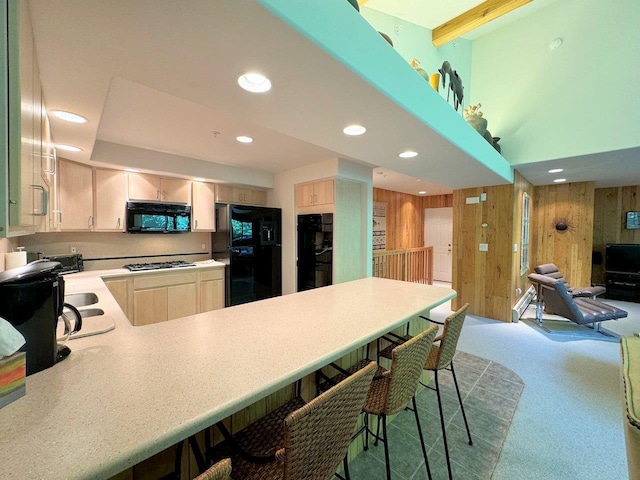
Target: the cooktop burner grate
(135, 267)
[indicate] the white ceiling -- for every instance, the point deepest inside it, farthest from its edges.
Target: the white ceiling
(157, 76)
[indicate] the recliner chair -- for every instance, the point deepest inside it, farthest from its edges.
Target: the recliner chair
(580, 310)
(550, 270)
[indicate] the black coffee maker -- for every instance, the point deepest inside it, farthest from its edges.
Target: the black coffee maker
(32, 299)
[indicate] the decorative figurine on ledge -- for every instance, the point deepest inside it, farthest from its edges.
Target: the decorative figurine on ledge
(455, 84)
(473, 116)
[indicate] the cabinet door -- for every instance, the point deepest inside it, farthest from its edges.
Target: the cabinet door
(258, 197)
(211, 295)
(203, 207)
(175, 190)
(111, 199)
(150, 306)
(224, 193)
(304, 195)
(144, 187)
(323, 192)
(181, 300)
(75, 196)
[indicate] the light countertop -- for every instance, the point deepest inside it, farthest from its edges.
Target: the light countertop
(125, 395)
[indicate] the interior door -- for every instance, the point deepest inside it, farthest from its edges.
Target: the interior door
(438, 232)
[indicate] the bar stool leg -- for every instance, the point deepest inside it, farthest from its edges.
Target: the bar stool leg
(464, 416)
(366, 431)
(385, 440)
(444, 433)
(424, 449)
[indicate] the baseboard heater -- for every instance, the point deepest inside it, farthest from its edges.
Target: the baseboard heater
(522, 304)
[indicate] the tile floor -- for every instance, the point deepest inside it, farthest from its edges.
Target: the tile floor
(490, 394)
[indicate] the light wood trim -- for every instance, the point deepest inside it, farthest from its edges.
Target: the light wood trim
(166, 280)
(118, 289)
(472, 19)
(412, 265)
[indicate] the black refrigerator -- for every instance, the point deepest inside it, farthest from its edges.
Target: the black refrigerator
(247, 240)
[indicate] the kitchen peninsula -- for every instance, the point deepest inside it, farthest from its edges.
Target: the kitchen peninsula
(126, 395)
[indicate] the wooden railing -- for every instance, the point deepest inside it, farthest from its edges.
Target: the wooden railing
(411, 265)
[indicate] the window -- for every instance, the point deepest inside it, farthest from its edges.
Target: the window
(524, 240)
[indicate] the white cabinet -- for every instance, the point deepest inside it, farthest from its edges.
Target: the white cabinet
(75, 196)
(161, 189)
(110, 200)
(203, 207)
(315, 193)
(249, 196)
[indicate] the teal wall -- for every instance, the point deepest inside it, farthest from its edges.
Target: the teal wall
(413, 41)
(579, 99)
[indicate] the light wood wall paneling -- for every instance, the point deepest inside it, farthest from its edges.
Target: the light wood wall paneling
(405, 216)
(484, 279)
(610, 210)
(570, 250)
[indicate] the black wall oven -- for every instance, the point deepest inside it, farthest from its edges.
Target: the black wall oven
(151, 217)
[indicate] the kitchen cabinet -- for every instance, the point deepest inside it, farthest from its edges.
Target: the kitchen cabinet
(315, 193)
(211, 289)
(110, 200)
(75, 196)
(119, 289)
(25, 195)
(203, 207)
(160, 189)
(249, 196)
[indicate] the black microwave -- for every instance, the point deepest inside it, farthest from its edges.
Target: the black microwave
(150, 217)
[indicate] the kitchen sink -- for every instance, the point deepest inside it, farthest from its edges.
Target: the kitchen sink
(91, 312)
(81, 299)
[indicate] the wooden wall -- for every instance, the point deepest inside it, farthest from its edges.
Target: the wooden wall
(569, 250)
(611, 207)
(405, 216)
(484, 279)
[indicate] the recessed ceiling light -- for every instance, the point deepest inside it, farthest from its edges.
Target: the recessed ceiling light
(68, 116)
(199, 179)
(244, 139)
(132, 170)
(67, 148)
(559, 180)
(408, 154)
(354, 130)
(422, 192)
(555, 170)
(254, 82)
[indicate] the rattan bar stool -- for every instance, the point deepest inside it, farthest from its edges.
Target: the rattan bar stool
(441, 358)
(219, 471)
(309, 443)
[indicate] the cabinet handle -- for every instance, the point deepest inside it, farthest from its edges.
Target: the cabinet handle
(91, 222)
(164, 195)
(43, 192)
(118, 224)
(196, 223)
(158, 197)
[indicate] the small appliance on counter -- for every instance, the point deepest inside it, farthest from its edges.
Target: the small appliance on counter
(71, 263)
(32, 300)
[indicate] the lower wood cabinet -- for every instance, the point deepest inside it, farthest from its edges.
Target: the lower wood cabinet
(160, 296)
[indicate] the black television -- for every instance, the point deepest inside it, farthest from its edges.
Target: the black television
(622, 258)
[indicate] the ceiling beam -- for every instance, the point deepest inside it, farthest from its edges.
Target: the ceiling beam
(474, 18)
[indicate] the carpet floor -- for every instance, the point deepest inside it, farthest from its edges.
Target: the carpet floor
(490, 395)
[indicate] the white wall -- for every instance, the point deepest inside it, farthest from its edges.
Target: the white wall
(578, 99)
(283, 196)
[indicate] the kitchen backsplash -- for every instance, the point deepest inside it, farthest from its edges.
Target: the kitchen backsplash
(113, 250)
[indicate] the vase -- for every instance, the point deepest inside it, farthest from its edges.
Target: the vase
(434, 81)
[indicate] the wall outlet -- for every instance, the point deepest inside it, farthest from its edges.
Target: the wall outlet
(515, 247)
(204, 246)
(72, 249)
(483, 197)
(484, 247)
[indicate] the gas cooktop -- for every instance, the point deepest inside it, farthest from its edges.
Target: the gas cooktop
(136, 267)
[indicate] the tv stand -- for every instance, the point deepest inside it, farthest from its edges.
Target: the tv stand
(623, 286)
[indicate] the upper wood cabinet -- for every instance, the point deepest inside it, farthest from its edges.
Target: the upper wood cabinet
(249, 196)
(161, 189)
(315, 193)
(203, 207)
(110, 200)
(75, 196)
